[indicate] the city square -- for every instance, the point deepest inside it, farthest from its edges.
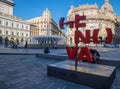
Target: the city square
(26, 71)
(46, 46)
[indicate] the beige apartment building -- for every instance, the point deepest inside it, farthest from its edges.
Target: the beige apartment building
(95, 19)
(46, 25)
(34, 30)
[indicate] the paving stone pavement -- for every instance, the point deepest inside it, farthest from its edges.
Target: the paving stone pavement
(29, 72)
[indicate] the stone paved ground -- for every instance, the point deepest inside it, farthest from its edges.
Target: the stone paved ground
(29, 72)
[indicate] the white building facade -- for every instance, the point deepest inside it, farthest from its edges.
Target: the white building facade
(12, 27)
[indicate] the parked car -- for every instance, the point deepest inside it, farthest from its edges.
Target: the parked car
(109, 45)
(118, 45)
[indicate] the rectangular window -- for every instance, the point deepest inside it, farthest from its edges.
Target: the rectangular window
(26, 27)
(12, 24)
(0, 31)
(0, 21)
(22, 26)
(12, 33)
(26, 35)
(22, 34)
(17, 25)
(6, 32)
(17, 33)
(6, 23)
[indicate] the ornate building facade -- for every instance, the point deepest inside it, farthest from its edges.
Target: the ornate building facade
(46, 25)
(95, 19)
(34, 30)
(12, 27)
(116, 38)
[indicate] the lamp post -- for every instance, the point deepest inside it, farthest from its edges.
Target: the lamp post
(76, 60)
(100, 37)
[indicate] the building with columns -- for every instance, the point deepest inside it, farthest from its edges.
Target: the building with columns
(46, 25)
(95, 19)
(12, 27)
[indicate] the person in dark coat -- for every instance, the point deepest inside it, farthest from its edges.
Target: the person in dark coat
(46, 50)
(95, 55)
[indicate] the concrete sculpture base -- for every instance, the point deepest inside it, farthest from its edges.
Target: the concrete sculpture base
(92, 75)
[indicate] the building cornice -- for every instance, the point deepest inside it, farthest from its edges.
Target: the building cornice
(100, 17)
(85, 7)
(8, 2)
(12, 18)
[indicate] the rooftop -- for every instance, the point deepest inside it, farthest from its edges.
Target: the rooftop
(10, 2)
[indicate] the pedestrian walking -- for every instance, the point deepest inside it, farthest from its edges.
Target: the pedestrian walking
(26, 47)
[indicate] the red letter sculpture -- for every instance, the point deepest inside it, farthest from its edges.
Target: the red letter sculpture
(85, 54)
(71, 52)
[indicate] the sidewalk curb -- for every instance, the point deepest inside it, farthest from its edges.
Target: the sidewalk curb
(17, 53)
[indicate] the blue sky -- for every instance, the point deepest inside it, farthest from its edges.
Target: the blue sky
(28, 9)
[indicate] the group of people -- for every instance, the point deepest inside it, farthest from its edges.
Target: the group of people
(94, 53)
(13, 43)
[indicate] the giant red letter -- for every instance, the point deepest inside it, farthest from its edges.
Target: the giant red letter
(95, 36)
(109, 36)
(78, 35)
(85, 54)
(71, 52)
(77, 21)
